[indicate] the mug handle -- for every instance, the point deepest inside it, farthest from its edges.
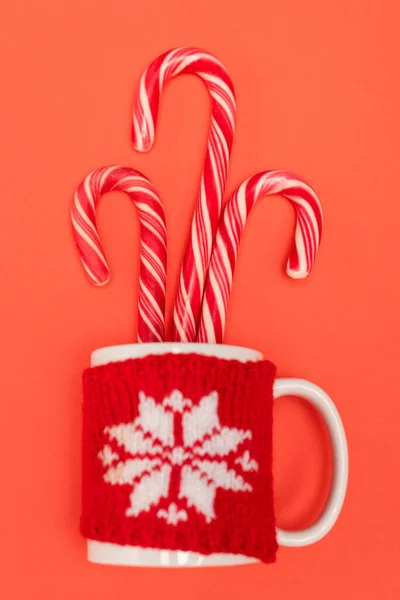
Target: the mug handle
(286, 386)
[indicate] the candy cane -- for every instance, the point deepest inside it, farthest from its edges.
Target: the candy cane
(208, 208)
(301, 259)
(153, 258)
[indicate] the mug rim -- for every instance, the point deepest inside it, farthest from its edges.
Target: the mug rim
(120, 352)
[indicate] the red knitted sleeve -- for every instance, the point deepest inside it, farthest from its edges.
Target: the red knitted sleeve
(177, 454)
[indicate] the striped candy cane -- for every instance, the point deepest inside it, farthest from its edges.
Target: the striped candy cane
(208, 208)
(301, 259)
(153, 257)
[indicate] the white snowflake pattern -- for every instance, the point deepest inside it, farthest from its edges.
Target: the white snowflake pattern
(150, 443)
(173, 515)
(107, 456)
(246, 462)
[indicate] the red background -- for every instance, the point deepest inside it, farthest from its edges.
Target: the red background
(318, 93)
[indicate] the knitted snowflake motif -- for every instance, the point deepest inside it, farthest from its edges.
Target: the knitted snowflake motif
(150, 442)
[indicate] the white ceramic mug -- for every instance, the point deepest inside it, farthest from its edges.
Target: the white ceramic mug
(114, 554)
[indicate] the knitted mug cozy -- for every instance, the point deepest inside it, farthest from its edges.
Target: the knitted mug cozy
(177, 455)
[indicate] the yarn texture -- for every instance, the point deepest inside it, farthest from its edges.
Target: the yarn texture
(177, 454)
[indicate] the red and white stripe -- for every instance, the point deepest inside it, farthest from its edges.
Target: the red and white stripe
(302, 256)
(153, 250)
(208, 208)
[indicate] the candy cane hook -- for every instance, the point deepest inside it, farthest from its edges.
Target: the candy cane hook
(208, 208)
(301, 259)
(153, 258)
